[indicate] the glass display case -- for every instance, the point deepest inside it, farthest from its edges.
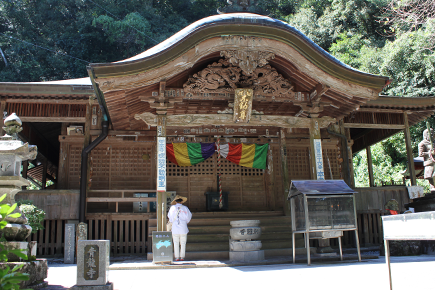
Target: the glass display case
(322, 209)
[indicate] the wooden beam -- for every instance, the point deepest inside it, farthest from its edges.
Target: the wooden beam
(54, 119)
(374, 126)
(409, 153)
(377, 110)
(370, 166)
(120, 199)
(193, 120)
(47, 101)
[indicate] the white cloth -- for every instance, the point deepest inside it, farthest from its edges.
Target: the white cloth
(179, 220)
(179, 240)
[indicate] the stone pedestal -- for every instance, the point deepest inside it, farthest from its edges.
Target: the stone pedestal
(37, 271)
(247, 256)
(27, 248)
(244, 243)
(93, 263)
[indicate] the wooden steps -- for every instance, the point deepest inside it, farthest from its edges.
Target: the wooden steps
(208, 236)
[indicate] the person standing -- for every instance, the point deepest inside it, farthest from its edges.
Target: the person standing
(179, 215)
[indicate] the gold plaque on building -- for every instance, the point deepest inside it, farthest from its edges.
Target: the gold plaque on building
(243, 105)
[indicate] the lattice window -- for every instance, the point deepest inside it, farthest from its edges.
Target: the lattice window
(298, 162)
(100, 167)
(204, 168)
(331, 163)
(175, 170)
(131, 167)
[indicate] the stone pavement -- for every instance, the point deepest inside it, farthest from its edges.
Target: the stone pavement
(129, 273)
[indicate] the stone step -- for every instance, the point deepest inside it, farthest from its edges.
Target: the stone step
(226, 229)
(226, 221)
(202, 238)
(224, 246)
(224, 255)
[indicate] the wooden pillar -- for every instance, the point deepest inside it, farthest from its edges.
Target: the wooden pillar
(62, 170)
(349, 150)
(2, 109)
(284, 168)
(87, 141)
(161, 172)
(270, 179)
(370, 166)
(87, 129)
(44, 172)
(409, 153)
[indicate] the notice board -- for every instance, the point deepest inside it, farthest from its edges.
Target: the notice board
(162, 247)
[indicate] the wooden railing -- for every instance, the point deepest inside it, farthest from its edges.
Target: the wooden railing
(107, 196)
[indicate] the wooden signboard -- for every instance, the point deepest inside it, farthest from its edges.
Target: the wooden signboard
(243, 105)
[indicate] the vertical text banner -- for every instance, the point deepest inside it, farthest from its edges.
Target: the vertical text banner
(161, 163)
(319, 159)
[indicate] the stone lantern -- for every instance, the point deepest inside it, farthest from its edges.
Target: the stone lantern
(12, 153)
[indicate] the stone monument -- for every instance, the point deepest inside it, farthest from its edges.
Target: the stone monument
(244, 243)
(70, 244)
(12, 152)
(93, 265)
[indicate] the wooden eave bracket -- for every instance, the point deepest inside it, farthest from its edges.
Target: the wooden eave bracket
(314, 105)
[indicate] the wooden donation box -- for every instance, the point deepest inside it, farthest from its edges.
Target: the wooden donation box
(322, 209)
(412, 226)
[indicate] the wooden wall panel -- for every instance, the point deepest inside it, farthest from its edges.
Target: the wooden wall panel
(374, 198)
(199, 184)
(233, 185)
(57, 204)
(253, 196)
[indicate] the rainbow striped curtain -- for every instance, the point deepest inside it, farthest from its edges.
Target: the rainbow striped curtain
(188, 154)
(248, 155)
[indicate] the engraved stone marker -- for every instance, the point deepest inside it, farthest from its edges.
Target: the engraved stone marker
(93, 262)
(70, 243)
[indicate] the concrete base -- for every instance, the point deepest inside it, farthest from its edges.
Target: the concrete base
(325, 254)
(245, 256)
(108, 286)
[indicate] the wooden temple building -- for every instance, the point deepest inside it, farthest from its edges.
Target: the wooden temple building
(236, 78)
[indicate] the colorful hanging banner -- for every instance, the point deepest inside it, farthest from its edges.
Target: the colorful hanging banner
(188, 154)
(248, 155)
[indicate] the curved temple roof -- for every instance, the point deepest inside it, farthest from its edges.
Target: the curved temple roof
(245, 24)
